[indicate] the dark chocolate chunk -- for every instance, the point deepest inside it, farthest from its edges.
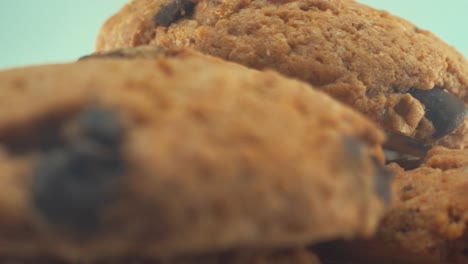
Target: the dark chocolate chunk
(407, 163)
(101, 126)
(383, 181)
(74, 182)
(405, 145)
(444, 110)
(407, 152)
(382, 176)
(407, 188)
(174, 11)
(353, 147)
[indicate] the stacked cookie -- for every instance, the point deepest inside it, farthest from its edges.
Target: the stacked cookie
(153, 150)
(428, 218)
(165, 155)
(405, 79)
(381, 65)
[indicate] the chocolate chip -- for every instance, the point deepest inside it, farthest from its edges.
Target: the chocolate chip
(353, 146)
(174, 11)
(405, 145)
(407, 163)
(407, 188)
(101, 126)
(445, 111)
(405, 151)
(382, 176)
(74, 182)
(383, 181)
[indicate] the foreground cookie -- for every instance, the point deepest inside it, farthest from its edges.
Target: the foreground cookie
(178, 155)
(429, 216)
(402, 77)
(285, 256)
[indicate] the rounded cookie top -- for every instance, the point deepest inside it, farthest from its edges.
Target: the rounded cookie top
(179, 154)
(381, 65)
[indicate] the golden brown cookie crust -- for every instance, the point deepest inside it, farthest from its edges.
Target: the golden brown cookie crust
(430, 212)
(366, 58)
(217, 156)
(427, 222)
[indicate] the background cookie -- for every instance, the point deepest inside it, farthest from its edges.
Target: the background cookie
(427, 222)
(381, 65)
(84, 22)
(178, 155)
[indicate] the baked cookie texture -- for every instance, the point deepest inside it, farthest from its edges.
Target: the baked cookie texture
(182, 154)
(428, 218)
(381, 65)
(285, 256)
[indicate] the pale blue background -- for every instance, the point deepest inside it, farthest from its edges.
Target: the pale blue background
(45, 31)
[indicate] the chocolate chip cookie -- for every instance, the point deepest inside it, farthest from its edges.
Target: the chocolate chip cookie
(179, 155)
(402, 77)
(428, 219)
(285, 256)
